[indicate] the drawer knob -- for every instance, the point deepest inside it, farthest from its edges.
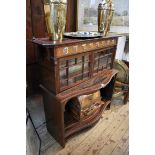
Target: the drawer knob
(65, 50)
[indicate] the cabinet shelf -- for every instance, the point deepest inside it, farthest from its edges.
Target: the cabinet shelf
(73, 126)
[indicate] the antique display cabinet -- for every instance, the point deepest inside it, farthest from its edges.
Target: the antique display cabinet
(75, 74)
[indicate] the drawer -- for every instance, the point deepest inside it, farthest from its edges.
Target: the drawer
(83, 47)
(74, 49)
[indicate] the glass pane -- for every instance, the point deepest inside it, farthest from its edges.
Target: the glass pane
(62, 63)
(109, 59)
(104, 53)
(70, 81)
(108, 67)
(86, 65)
(97, 55)
(63, 74)
(86, 58)
(95, 65)
(78, 78)
(63, 83)
(100, 67)
(75, 69)
(86, 75)
(79, 59)
(103, 62)
(71, 61)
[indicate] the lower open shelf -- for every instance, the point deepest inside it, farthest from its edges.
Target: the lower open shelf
(72, 125)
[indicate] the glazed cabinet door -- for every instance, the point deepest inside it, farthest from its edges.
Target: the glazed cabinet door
(73, 70)
(103, 59)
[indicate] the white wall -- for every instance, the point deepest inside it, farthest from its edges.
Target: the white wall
(120, 55)
(120, 47)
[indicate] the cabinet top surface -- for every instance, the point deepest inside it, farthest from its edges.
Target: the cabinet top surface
(66, 41)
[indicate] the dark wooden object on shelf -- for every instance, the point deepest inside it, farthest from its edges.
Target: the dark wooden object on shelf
(71, 68)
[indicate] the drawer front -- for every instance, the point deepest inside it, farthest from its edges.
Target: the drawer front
(83, 47)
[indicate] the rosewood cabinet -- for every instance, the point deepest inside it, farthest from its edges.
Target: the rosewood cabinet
(71, 68)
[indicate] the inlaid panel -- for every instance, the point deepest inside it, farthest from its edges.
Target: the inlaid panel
(83, 47)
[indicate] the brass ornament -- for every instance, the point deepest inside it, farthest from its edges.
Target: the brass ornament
(105, 15)
(55, 17)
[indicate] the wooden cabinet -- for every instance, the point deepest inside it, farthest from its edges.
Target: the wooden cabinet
(71, 68)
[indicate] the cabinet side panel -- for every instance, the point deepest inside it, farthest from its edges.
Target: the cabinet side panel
(47, 69)
(54, 114)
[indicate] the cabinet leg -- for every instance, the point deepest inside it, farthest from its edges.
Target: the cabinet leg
(54, 113)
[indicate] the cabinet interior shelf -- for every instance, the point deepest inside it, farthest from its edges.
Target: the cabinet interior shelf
(72, 125)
